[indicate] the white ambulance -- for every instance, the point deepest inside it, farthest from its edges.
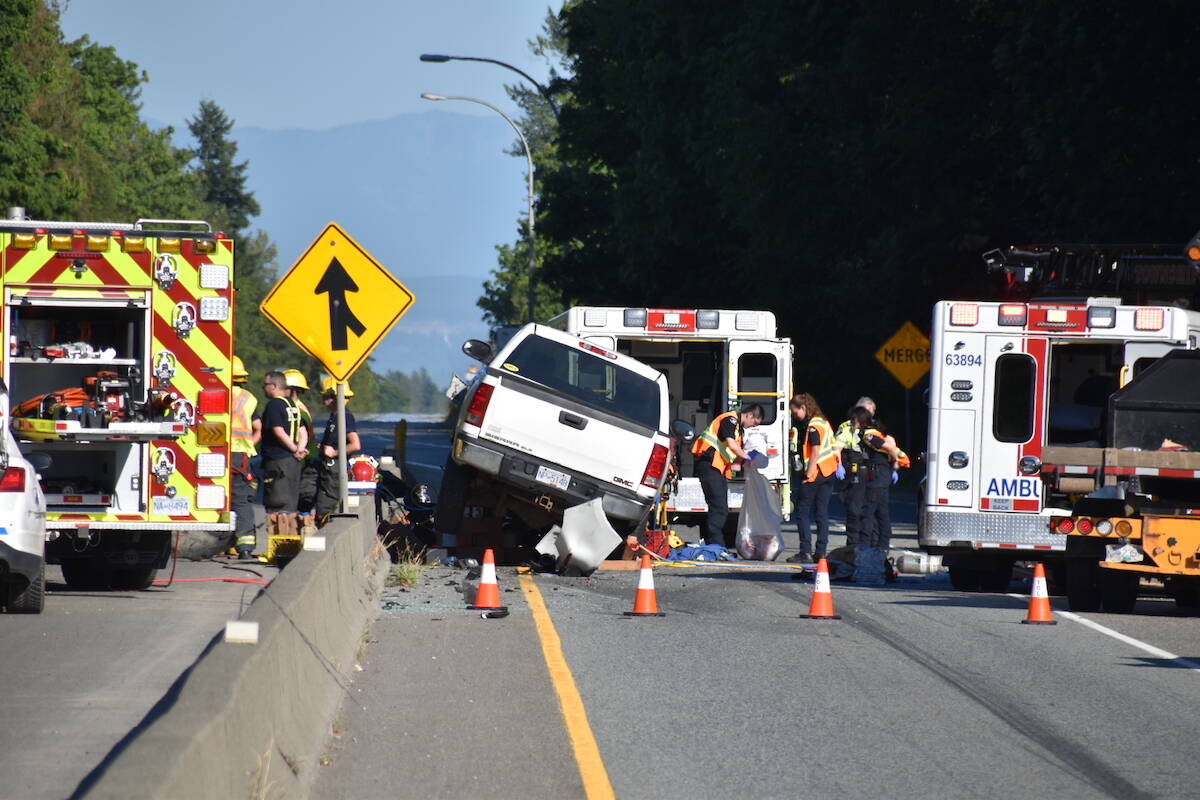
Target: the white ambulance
(1007, 379)
(714, 360)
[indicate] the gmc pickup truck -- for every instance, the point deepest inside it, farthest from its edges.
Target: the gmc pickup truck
(552, 422)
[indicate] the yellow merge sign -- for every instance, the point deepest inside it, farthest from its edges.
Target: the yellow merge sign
(906, 355)
(337, 302)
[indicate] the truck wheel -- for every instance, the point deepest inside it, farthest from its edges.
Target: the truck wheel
(452, 496)
(32, 599)
(1186, 593)
(86, 574)
(134, 578)
(1083, 589)
(1119, 590)
(965, 579)
(996, 577)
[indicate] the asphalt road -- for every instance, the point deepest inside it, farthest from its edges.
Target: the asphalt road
(81, 675)
(918, 691)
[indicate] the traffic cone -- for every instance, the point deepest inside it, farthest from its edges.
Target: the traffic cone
(645, 602)
(1039, 600)
(822, 599)
(488, 596)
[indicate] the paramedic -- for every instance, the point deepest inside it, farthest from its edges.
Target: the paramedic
(246, 427)
(853, 490)
(816, 467)
(882, 458)
(715, 452)
(284, 446)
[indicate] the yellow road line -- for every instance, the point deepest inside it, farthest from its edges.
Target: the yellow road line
(587, 752)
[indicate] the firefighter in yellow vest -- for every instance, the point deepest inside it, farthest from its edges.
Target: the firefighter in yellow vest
(297, 385)
(716, 450)
(247, 433)
(816, 468)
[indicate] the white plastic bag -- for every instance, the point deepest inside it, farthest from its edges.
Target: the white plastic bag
(758, 536)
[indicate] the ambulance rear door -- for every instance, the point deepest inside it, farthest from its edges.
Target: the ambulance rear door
(760, 371)
(1013, 429)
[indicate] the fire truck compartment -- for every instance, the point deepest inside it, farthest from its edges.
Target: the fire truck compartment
(101, 476)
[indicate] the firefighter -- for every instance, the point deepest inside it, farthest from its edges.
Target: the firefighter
(882, 459)
(246, 427)
(284, 446)
(328, 485)
(816, 467)
(716, 450)
(297, 385)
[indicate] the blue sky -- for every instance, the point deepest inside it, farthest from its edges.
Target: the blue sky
(309, 64)
(433, 212)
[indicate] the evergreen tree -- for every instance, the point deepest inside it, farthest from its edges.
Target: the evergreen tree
(222, 182)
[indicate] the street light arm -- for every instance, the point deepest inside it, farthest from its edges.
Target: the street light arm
(529, 163)
(439, 58)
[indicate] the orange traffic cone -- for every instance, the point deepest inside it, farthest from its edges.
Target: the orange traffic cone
(645, 602)
(1039, 600)
(822, 599)
(488, 596)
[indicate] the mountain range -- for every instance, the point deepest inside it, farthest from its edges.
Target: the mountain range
(428, 195)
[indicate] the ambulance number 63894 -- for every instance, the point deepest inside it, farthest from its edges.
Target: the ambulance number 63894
(963, 360)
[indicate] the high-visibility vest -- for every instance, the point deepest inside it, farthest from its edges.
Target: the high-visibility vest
(825, 457)
(723, 457)
(847, 437)
(242, 421)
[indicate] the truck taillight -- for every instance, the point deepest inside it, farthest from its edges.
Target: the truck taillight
(1066, 525)
(13, 480)
(964, 314)
(479, 404)
(214, 401)
(656, 467)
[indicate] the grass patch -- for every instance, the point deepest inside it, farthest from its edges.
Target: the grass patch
(406, 573)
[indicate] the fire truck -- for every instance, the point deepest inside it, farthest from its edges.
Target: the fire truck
(1011, 377)
(714, 360)
(119, 346)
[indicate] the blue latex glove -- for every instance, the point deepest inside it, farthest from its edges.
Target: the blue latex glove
(751, 455)
(895, 477)
(841, 472)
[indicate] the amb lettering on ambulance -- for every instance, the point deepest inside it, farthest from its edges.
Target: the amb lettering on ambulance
(1015, 494)
(119, 366)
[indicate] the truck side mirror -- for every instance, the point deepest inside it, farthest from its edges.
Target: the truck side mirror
(478, 350)
(683, 430)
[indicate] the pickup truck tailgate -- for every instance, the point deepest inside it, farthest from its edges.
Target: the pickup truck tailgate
(533, 420)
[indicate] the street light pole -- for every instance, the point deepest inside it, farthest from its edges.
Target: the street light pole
(529, 162)
(439, 58)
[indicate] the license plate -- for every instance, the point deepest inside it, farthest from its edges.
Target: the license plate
(170, 506)
(553, 477)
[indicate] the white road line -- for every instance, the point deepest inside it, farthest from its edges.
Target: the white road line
(1157, 652)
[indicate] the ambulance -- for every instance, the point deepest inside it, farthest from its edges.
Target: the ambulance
(714, 360)
(1011, 377)
(118, 365)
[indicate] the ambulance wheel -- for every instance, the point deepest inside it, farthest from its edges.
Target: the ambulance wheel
(996, 578)
(1083, 588)
(965, 579)
(134, 578)
(1119, 590)
(86, 574)
(452, 496)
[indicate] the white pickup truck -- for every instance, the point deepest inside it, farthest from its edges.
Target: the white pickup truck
(552, 422)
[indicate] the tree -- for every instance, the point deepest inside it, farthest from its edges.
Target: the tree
(223, 183)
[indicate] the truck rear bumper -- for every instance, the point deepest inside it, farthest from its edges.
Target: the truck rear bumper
(519, 470)
(956, 532)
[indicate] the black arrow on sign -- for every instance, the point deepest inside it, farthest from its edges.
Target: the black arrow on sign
(336, 282)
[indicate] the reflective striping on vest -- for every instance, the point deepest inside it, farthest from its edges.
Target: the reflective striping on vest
(710, 440)
(242, 421)
(826, 457)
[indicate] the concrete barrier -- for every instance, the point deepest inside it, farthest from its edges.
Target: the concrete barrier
(249, 720)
